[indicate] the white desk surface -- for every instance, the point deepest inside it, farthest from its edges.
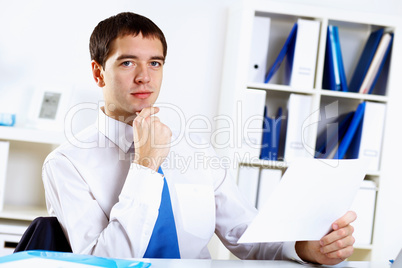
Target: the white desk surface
(185, 263)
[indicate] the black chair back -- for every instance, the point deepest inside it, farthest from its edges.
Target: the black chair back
(44, 233)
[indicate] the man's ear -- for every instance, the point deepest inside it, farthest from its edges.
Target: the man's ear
(97, 73)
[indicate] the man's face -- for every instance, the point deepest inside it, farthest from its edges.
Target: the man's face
(132, 76)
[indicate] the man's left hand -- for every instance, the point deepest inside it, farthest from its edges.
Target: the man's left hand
(333, 248)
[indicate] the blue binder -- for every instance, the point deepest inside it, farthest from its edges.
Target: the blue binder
(271, 136)
(354, 147)
(330, 137)
(365, 59)
(331, 79)
(334, 73)
(342, 75)
(353, 128)
(287, 49)
(384, 60)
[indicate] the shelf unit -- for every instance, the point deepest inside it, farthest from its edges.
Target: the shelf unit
(24, 197)
(22, 213)
(354, 28)
(10, 234)
(31, 135)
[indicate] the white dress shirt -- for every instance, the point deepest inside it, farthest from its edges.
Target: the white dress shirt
(108, 206)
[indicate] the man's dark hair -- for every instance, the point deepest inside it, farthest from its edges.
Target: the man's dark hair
(122, 24)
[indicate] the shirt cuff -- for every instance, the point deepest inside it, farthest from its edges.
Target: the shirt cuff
(143, 184)
(289, 252)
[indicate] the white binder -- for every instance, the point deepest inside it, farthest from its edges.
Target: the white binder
(259, 49)
(299, 111)
(305, 55)
(248, 182)
(252, 117)
(372, 132)
(363, 205)
(269, 179)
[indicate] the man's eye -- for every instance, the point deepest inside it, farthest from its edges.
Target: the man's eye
(127, 63)
(155, 64)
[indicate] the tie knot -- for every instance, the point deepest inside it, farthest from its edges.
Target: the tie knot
(160, 171)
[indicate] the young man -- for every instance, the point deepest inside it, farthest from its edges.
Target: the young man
(108, 197)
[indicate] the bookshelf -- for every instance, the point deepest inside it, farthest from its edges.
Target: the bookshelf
(31, 135)
(23, 196)
(354, 29)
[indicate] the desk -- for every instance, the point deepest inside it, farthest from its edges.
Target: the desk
(59, 259)
(158, 263)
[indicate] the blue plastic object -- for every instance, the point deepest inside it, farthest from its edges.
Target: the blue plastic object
(75, 258)
(7, 119)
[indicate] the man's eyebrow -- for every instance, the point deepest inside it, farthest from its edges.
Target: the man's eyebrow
(158, 58)
(129, 56)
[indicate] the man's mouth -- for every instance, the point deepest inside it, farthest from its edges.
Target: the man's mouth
(142, 95)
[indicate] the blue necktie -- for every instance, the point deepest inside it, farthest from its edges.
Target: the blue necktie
(163, 242)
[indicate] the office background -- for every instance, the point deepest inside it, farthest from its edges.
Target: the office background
(44, 43)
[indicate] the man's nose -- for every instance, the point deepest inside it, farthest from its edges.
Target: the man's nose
(142, 74)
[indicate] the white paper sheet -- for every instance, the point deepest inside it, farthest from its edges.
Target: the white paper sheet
(312, 194)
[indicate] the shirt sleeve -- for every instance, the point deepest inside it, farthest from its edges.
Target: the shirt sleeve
(234, 214)
(289, 252)
(89, 230)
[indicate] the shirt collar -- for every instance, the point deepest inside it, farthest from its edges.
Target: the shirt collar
(116, 131)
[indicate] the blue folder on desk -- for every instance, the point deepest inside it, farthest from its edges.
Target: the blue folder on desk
(74, 258)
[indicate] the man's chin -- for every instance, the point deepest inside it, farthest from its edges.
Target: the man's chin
(138, 109)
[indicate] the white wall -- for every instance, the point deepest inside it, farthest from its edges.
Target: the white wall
(392, 7)
(44, 43)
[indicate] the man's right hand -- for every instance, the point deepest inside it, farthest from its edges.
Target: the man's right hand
(151, 139)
